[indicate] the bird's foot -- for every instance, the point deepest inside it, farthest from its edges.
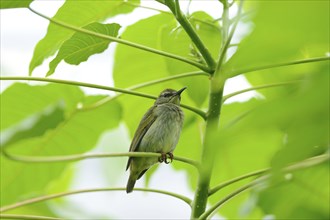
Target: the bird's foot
(163, 158)
(170, 156)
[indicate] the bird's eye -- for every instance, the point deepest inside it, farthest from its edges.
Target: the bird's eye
(167, 94)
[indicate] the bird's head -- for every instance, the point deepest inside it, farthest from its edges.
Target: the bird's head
(170, 96)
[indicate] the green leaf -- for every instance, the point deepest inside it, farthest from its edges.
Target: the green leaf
(85, 12)
(175, 40)
(143, 67)
(81, 46)
(272, 133)
(280, 37)
(15, 3)
(77, 133)
(161, 1)
(43, 122)
(302, 194)
(143, 64)
(306, 121)
(303, 116)
(21, 101)
(242, 147)
(208, 30)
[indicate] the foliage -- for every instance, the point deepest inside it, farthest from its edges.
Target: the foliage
(285, 131)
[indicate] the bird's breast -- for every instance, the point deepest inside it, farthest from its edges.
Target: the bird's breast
(163, 135)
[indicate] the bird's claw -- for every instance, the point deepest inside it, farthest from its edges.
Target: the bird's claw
(171, 157)
(163, 158)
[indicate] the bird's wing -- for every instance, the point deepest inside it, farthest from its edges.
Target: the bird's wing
(147, 120)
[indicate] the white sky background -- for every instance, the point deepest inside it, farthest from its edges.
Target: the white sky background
(20, 32)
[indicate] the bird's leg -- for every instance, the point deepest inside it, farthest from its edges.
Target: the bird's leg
(171, 158)
(162, 158)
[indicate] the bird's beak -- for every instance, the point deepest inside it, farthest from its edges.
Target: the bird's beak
(178, 93)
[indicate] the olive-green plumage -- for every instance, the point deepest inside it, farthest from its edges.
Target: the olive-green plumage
(158, 131)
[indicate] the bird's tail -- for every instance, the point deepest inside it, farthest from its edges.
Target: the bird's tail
(130, 183)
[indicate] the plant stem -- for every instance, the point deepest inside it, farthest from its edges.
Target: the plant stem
(207, 159)
(58, 195)
(181, 18)
(95, 86)
(224, 200)
(146, 7)
(75, 83)
(125, 42)
(225, 21)
(167, 12)
(76, 157)
(227, 38)
(208, 154)
(296, 62)
(308, 162)
(297, 166)
(154, 82)
(217, 84)
(237, 179)
(178, 76)
(258, 87)
(32, 217)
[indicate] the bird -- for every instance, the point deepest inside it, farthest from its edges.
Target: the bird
(158, 132)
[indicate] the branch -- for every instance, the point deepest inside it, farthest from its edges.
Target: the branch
(57, 195)
(146, 7)
(95, 86)
(182, 75)
(296, 62)
(75, 83)
(308, 162)
(197, 73)
(153, 82)
(76, 157)
(32, 217)
(225, 47)
(212, 124)
(296, 166)
(167, 12)
(237, 179)
(228, 197)
(175, 8)
(125, 42)
(258, 87)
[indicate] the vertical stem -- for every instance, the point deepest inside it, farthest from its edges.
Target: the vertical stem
(196, 40)
(208, 154)
(181, 18)
(217, 83)
(225, 22)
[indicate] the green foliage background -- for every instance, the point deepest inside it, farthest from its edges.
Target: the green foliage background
(289, 124)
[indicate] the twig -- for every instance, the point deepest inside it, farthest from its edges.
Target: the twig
(57, 195)
(257, 88)
(76, 157)
(95, 86)
(296, 62)
(32, 217)
(297, 166)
